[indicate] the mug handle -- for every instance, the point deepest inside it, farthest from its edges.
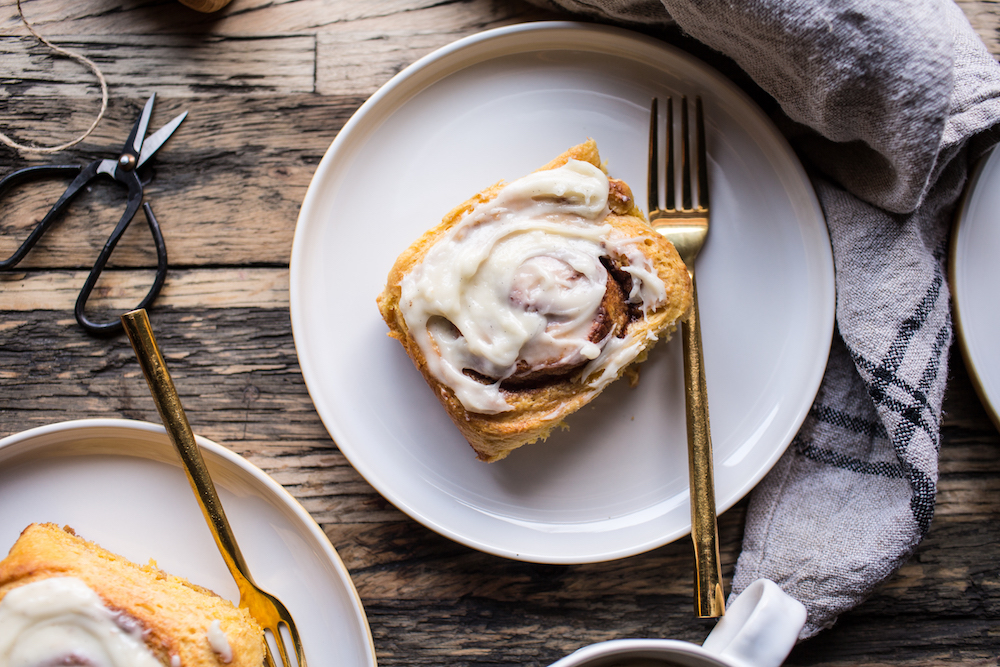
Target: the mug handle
(760, 627)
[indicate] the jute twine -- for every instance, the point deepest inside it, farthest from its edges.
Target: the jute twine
(79, 58)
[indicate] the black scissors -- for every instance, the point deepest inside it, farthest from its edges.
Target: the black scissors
(137, 151)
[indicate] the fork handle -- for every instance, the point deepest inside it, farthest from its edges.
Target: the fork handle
(709, 599)
(168, 403)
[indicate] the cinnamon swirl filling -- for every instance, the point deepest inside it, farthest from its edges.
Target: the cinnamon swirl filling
(530, 287)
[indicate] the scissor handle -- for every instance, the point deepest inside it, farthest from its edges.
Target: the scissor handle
(36, 173)
(112, 327)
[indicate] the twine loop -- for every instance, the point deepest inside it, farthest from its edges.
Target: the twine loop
(74, 56)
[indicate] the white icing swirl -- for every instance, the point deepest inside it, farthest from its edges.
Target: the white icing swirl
(61, 621)
(520, 279)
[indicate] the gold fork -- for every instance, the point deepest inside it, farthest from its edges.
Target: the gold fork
(686, 226)
(264, 607)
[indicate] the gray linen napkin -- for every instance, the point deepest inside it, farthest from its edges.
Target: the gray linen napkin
(887, 103)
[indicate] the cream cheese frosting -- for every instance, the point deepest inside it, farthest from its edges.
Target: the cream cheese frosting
(60, 621)
(518, 282)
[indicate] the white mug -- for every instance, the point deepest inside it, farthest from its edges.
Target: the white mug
(759, 630)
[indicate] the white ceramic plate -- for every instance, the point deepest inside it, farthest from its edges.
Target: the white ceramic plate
(120, 483)
(496, 106)
(975, 280)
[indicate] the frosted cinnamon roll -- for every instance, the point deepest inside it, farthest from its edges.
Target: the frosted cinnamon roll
(66, 601)
(527, 300)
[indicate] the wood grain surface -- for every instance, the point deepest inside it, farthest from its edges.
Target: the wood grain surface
(269, 84)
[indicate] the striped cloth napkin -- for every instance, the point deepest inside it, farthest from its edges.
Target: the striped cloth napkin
(887, 104)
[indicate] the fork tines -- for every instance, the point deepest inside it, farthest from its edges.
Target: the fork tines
(685, 158)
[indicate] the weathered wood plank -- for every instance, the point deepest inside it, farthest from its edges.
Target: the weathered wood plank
(254, 17)
(340, 70)
(171, 65)
(356, 58)
(121, 290)
(239, 365)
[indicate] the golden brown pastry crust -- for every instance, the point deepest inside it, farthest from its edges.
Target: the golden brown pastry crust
(175, 614)
(537, 410)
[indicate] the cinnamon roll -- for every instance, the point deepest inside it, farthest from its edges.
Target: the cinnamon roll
(528, 299)
(67, 601)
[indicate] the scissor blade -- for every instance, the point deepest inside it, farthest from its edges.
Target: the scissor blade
(133, 145)
(156, 139)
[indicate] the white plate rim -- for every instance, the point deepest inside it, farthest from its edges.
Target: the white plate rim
(401, 87)
(79, 427)
(963, 228)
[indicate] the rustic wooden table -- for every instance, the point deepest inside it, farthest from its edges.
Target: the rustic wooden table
(269, 84)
